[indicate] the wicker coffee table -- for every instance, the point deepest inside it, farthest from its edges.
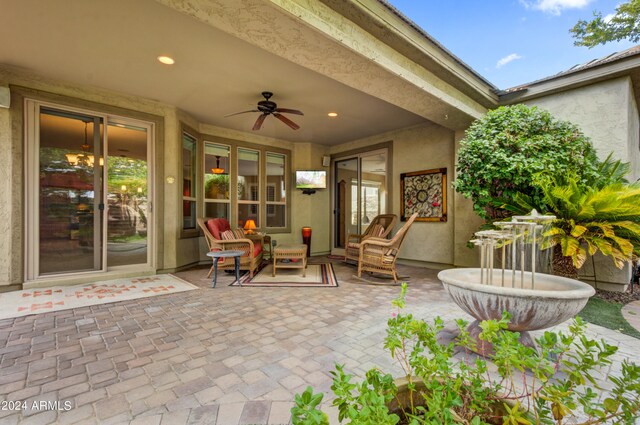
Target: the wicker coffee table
(290, 252)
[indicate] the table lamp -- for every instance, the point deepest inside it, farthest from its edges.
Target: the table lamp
(250, 226)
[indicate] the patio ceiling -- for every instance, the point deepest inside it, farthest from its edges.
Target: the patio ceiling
(215, 74)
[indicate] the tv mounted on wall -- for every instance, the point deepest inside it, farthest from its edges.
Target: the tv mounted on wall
(310, 180)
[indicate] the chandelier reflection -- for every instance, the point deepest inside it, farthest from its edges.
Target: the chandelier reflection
(83, 159)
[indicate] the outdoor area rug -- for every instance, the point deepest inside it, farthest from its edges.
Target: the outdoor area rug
(318, 275)
(43, 300)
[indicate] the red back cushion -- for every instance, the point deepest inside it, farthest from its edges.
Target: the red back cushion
(232, 234)
(217, 226)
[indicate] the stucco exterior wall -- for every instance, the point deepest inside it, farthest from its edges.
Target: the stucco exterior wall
(7, 243)
(602, 111)
(422, 147)
(310, 210)
(608, 114)
(634, 135)
(466, 222)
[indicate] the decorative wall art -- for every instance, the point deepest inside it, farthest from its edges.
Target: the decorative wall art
(424, 192)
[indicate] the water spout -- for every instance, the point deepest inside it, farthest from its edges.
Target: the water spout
(520, 235)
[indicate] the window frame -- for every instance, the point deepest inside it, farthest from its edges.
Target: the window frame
(253, 189)
(233, 179)
(195, 184)
(286, 176)
(206, 200)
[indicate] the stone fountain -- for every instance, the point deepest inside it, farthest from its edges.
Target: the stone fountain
(534, 300)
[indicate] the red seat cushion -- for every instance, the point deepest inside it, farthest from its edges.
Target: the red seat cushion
(217, 226)
(257, 249)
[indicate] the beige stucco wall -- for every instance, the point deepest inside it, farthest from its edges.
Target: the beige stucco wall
(422, 147)
(605, 112)
(634, 134)
(466, 222)
(608, 114)
(310, 210)
(7, 243)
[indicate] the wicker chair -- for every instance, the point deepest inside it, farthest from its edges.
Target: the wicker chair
(378, 255)
(379, 227)
(212, 228)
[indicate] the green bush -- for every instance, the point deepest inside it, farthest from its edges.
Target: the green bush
(502, 151)
(552, 385)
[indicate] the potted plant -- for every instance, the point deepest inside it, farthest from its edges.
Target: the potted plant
(447, 384)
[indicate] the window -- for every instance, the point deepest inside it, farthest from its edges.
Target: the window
(248, 186)
(241, 181)
(189, 181)
(276, 193)
(217, 200)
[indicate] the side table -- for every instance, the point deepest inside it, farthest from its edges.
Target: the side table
(290, 252)
(217, 255)
(265, 240)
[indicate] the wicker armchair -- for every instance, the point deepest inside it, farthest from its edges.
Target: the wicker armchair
(379, 255)
(212, 229)
(379, 227)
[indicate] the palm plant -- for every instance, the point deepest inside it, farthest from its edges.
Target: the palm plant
(602, 218)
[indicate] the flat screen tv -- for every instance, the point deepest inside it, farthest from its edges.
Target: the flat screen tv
(311, 179)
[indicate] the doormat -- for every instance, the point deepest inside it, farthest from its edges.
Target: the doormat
(335, 257)
(317, 275)
(43, 300)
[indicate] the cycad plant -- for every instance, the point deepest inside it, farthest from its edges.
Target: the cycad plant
(604, 218)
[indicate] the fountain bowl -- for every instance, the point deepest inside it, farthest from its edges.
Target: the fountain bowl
(554, 299)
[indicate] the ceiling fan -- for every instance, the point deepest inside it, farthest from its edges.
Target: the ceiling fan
(267, 107)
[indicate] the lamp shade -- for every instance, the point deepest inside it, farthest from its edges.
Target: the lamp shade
(250, 225)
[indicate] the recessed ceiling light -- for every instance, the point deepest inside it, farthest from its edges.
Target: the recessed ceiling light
(166, 60)
(332, 114)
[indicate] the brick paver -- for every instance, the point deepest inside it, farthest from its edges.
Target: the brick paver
(227, 355)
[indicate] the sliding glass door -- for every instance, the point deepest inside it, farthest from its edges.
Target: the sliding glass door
(87, 206)
(69, 192)
(127, 194)
(360, 194)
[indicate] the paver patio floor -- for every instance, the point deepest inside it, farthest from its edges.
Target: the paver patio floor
(224, 356)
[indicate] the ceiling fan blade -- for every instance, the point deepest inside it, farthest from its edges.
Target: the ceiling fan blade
(243, 112)
(286, 120)
(289, 111)
(259, 122)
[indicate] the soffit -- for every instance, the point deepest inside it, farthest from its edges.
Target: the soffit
(215, 74)
(388, 24)
(310, 34)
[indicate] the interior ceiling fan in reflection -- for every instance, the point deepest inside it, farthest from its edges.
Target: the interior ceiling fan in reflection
(267, 107)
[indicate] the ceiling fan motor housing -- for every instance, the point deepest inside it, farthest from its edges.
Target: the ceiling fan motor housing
(267, 106)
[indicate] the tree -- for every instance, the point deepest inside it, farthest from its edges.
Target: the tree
(625, 24)
(502, 151)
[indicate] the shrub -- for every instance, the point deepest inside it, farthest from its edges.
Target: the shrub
(545, 386)
(502, 151)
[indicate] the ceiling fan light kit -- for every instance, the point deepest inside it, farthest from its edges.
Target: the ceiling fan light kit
(267, 107)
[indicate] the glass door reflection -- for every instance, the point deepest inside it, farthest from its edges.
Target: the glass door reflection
(69, 193)
(127, 194)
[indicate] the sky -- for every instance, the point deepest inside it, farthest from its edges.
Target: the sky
(511, 42)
